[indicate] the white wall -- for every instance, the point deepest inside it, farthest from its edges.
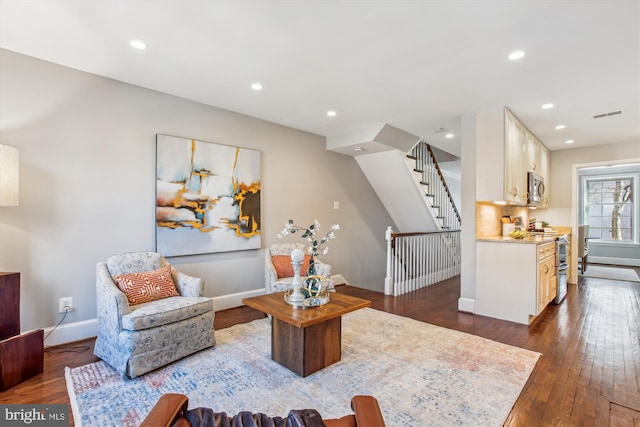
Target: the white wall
(87, 182)
(468, 213)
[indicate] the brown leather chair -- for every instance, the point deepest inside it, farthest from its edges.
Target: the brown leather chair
(170, 411)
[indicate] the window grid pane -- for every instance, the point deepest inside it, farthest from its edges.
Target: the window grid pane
(609, 209)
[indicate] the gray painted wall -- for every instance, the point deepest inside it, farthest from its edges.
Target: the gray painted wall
(564, 200)
(87, 182)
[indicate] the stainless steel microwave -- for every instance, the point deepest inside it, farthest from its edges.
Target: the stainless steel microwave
(536, 189)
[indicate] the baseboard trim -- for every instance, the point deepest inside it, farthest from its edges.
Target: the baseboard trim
(71, 332)
(339, 279)
(234, 300)
(466, 305)
(631, 262)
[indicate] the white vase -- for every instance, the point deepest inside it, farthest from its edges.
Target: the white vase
(296, 297)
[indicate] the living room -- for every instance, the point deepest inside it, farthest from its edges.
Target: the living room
(87, 187)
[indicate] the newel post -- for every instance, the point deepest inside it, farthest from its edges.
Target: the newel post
(388, 282)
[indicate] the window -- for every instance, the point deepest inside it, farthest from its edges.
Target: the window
(608, 207)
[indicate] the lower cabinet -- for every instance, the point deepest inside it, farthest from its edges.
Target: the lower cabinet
(514, 281)
(546, 275)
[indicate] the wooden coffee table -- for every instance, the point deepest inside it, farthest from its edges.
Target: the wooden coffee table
(306, 340)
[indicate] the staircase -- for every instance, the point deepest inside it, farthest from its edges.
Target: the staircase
(430, 177)
(412, 188)
(403, 171)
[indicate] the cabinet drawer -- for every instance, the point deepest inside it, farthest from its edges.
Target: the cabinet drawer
(546, 249)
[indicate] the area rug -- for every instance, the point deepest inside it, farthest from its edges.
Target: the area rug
(611, 273)
(422, 375)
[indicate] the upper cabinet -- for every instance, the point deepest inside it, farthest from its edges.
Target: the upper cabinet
(516, 159)
(505, 152)
(539, 163)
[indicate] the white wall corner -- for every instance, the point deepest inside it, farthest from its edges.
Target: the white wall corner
(468, 209)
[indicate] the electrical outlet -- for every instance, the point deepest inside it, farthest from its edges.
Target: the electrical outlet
(66, 304)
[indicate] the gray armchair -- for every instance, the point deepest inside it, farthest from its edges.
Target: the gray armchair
(274, 283)
(136, 339)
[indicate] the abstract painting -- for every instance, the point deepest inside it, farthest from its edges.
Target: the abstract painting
(207, 197)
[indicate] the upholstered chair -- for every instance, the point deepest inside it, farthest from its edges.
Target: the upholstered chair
(583, 247)
(149, 313)
(278, 272)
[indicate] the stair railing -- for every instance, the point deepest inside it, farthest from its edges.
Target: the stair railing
(435, 186)
(416, 260)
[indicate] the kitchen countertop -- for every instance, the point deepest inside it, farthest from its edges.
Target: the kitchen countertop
(529, 240)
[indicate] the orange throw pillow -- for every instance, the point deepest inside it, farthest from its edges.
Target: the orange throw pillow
(147, 286)
(283, 266)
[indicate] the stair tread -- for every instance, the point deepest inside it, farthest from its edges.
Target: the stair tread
(422, 165)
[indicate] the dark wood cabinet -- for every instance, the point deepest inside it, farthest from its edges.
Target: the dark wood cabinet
(10, 305)
(21, 355)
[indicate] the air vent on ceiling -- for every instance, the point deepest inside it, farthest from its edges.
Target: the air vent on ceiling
(613, 113)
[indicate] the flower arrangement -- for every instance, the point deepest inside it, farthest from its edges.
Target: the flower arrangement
(313, 282)
(309, 234)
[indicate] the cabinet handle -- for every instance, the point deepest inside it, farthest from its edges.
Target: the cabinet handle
(513, 191)
(547, 269)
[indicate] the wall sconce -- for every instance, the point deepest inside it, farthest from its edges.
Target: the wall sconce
(9, 176)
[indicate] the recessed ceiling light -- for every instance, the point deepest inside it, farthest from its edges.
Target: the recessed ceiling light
(449, 135)
(138, 44)
(569, 141)
(358, 149)
(516, 54)
(560, 127)
(256, 86)
(331, 113)
(547, 106)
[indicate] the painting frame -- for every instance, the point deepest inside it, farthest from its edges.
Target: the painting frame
(207, 197)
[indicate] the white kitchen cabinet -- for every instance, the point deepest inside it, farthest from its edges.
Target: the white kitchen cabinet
(538, 162)
(546, 275)
(512, 282)
(505, 152)
(516, 146)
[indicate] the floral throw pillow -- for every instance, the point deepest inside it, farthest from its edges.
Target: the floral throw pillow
(283, 266)
(147, 286)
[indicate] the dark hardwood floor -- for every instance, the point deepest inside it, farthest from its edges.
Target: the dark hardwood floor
(588, 374)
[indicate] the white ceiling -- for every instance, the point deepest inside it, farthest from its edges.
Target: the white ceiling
(416, 65)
